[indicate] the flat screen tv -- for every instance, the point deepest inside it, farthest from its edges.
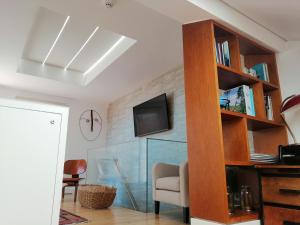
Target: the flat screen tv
(151, 116)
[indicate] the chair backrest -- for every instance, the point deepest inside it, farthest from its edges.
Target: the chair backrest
(75, 167)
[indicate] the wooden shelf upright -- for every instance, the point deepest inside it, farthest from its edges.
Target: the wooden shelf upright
(220, 138)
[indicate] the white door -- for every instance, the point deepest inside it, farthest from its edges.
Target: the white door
(29, 142)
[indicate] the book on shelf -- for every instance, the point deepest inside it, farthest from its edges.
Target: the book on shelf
(269, 107)
(261, 71)
(222, 52)
(240, 99)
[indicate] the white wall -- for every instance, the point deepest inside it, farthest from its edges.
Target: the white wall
(289, 74)
(76, 145)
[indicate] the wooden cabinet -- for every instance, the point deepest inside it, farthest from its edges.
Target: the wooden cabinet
(219, 138)
(281, 216)
(280, 186)
(33, 138)
(283, 190)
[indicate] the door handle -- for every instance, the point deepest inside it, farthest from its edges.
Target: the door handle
(289, 191)
(290, 223)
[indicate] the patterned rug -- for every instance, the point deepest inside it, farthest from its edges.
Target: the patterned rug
(70, 218)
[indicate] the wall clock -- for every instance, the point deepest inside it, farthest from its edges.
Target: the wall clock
(90, 124)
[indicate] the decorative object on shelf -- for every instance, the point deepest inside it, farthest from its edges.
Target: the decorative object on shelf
(90, 124)
(287, 104)
(246, 199)
(230, 201)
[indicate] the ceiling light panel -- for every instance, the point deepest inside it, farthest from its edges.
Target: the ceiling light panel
(81, 48)
(43, 33)
(56, 39)
(106, 54)
(75, 35)
(97, 47)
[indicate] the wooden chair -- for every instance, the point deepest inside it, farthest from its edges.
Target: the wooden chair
(73, 168)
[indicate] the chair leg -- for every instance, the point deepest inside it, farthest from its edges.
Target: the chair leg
(156, 207)
(186, 215)
(75, 194)
(63, 192)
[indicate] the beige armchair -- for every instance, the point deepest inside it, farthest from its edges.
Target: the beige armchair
(170, 185)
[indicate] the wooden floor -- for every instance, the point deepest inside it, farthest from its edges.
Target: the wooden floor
(120, 216)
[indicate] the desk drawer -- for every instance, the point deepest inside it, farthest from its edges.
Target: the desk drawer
(284, 190)
(281, 216)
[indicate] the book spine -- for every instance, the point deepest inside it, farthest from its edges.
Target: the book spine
(269, 107)
(252, 102)
(222, 52)
(246, 91)
(226, 53)
(216, 49)
(270, 111)
(219, 53)
(267, 72)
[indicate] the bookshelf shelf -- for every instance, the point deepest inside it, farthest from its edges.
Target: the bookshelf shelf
(239, 163)
(247, 164)
(254, 123)
(219, 140)
(241, 216)
(229, 77)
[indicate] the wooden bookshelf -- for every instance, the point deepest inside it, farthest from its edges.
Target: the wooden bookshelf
(218, 138)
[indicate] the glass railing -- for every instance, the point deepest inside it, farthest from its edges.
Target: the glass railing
(128, 167)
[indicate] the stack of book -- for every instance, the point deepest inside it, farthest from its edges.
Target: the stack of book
(269, 107)
(222, 53)
(240, 99)
(261, 71)
(263, 158)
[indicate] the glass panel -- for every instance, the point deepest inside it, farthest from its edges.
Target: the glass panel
(128, 167)
(120, 166)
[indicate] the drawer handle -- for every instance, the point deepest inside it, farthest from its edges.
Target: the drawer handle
(290, 223)
(289, 191)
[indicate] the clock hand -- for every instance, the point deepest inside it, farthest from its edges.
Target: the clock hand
(92, 121)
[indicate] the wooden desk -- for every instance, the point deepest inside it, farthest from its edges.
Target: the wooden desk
(280, 194)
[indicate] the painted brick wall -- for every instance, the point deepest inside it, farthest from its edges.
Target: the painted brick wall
(120, 128)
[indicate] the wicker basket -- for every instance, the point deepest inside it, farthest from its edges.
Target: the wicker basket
(96, 196)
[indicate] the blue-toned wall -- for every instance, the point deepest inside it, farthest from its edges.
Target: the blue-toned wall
(131, 151)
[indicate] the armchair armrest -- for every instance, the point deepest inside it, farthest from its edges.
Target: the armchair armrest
(184, 183)
(162, 170)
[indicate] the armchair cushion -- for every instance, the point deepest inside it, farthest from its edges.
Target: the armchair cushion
(168, 183)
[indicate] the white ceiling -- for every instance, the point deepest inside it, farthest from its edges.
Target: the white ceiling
(279, 16)
(157, 50)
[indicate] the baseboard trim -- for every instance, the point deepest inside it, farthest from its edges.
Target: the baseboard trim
(197, 221)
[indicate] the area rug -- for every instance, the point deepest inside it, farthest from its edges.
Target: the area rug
(70, 218)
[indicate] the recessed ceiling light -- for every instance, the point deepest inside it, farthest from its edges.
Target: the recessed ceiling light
(81, 48)
(104, 55)
(54, 43)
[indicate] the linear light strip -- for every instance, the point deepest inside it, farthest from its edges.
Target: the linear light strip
(81, 48)
(54, 43)
(104, 55)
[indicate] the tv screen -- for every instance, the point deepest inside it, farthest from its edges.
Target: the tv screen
(151, 117)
